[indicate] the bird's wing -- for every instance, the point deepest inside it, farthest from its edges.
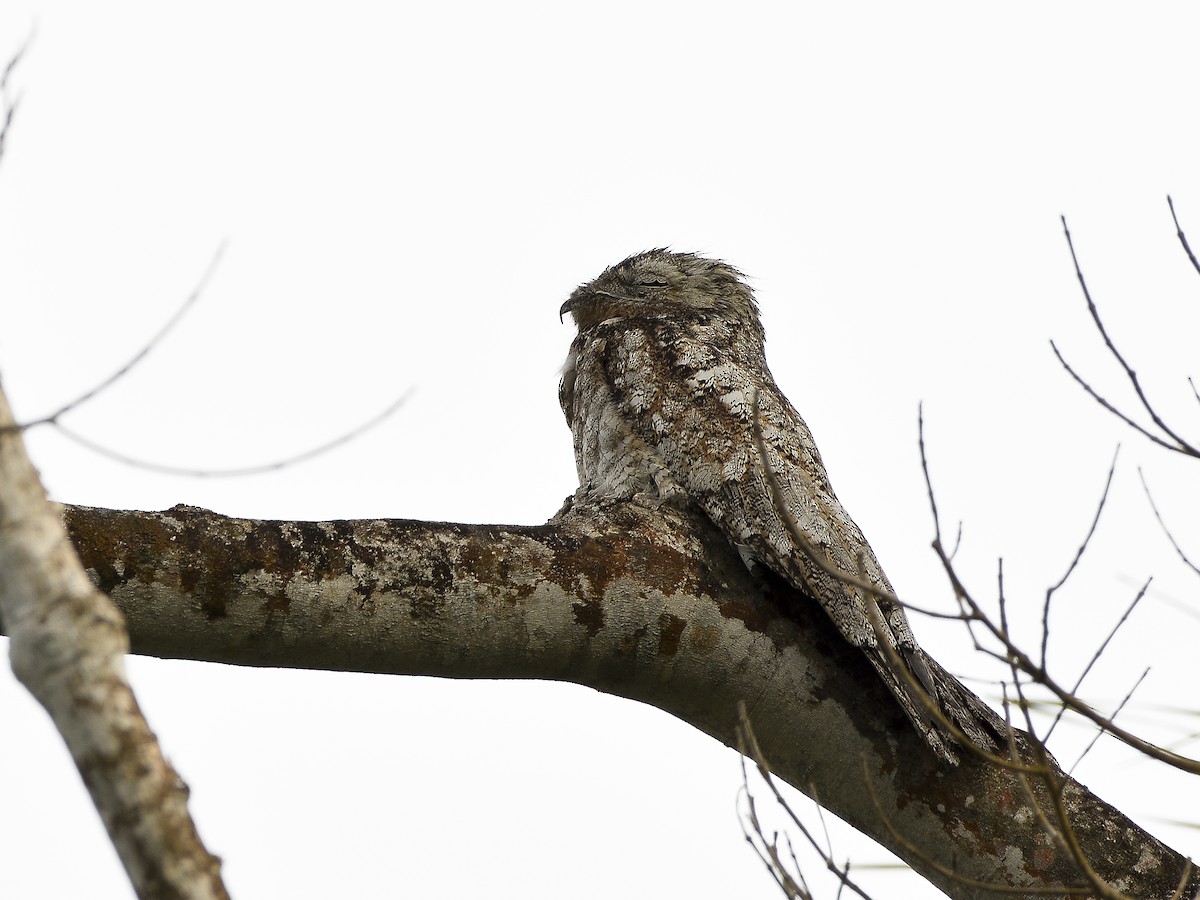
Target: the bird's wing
(685, 391)
(689, 394)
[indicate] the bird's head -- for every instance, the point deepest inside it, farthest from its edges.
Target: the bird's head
(660, 282)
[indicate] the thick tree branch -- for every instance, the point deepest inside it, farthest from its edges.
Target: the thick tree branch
(68, 646)
(650, 605)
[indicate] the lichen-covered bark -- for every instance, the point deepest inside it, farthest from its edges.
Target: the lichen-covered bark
(68, 647)
(653, 605)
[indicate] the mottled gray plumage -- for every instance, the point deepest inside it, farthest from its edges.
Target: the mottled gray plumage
(658, 390)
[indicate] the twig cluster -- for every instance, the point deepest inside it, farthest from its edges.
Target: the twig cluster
(1024, 671)
(1160, 432)
(1043, 783)
(789, 877)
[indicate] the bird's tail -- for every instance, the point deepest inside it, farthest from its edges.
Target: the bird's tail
(945, 711)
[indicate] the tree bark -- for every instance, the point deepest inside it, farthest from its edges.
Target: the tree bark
(652, 605)
(68, 647)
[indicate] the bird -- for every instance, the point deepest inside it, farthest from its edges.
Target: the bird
(669, 399)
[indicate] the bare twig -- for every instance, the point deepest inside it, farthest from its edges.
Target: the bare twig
(1167, 531)
(1013, 654)
(244, 470)
(1078, 556)
(937, 521)
(1180, 445)
(1041, 676)
(1001, 600)
(258, 469)
(768, 850)
(116, 376)
(1112, 348)
(965, 612)
(9, 103)
(1116, 712)
(1112, 409)
(1100, 650)
(1182, 237)
(748, 747)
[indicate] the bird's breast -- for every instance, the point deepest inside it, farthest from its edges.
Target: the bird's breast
(610, 397)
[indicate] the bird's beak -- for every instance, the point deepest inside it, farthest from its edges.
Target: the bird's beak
(585, 300)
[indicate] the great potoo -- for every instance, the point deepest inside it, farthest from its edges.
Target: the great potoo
(659, 392)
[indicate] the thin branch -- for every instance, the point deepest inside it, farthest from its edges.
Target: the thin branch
(1112, 409)
(1001, 600)
(748, 747)
(1041, 676)
(244, 470)
(1116, 712)
(1182, 237)
(1167, 531)
(1130, 374)
(116, 376)
(1100, 650)
(967, 614)
(961, 616)
(1078, 555)
(812, 788)
(1112, 633)
(54, 417)
(937, 522)
(9, 102)
(1014, 655)
(766, 850)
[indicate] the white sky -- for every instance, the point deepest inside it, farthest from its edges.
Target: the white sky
(409, 192)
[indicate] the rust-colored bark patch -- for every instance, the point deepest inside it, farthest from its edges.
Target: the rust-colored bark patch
(495, 561)
(598, 561)
(590, 614)
(1044, 858)
(747, 614)
(670, 629)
